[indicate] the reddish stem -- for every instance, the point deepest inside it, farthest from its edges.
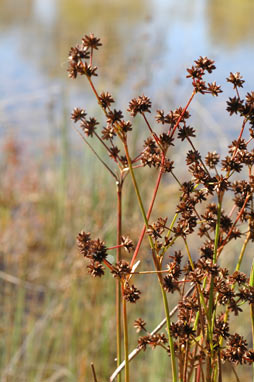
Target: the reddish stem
(198, 373)
(148, 217)
(115, 247)
(108, 264)
(158, 183)
(181, 116)
(151, 130)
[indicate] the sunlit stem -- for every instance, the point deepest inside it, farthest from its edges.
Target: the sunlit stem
(156, 263)
(252, 313)
(126, 344)
(118, 282)
(211, 293)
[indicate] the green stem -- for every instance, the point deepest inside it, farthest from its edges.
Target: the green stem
(252, 313)
(170, 338)
(118, 282)
(211, 294)
(135, 184)
(126, 345)
(238, 265)
(164, 249)
(217, 231)
(216, 242)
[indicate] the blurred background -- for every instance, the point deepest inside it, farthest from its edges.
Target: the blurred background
(54, 319)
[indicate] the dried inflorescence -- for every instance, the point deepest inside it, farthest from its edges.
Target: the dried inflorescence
(121, 269)
(131, 293)
(201, 333)
(139, 324)
(152, 340)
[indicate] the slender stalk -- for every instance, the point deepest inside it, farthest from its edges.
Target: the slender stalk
(171, 133)
(240, 136)
(106, 147)
(238, 265)
(219, 368)
(235, 373)
(211, 294)
(118, 282)
(217, 230)
(216, 241)
(185, 362)
(115, 247)
(149, 272)
(142, 209)
(151, 131)
(95, 153)
(126, 345)
(252, 313)
(170, 338)
(93, 372)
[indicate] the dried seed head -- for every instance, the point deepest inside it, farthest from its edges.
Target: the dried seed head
(139, 325)
(84, 243)
(169, 284)
(78, 53)
(214, 89)
(195, 72)
(142, 104)
(95, 269)
(121, 269)
(114, 116)
(212, 159)
(106, 99)
(131, 293)
(78, 114)
(235, 79)
(90, 41)
(206, 64)
(89, 126)
(127, 243)
(185, 132)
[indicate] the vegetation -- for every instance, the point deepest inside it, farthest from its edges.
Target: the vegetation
(55, 319)
(200, 340)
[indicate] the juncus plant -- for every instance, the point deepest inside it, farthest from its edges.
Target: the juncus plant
(198, 339)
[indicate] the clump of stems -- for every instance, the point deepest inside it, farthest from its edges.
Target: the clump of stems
(199, 341)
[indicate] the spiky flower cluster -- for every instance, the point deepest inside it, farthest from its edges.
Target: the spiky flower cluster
(94, 250)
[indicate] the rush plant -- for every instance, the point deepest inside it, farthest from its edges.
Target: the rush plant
(215, 207)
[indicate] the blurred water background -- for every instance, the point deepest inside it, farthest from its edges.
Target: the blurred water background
(147, 47)
(52, 326)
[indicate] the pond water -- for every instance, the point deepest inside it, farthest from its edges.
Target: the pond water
(147, 46)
